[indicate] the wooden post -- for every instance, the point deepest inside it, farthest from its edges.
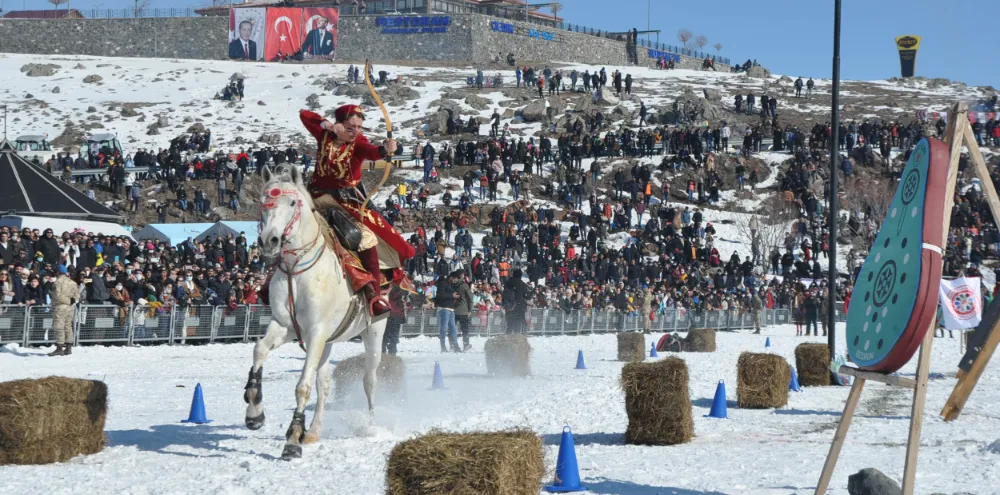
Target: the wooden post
(838, 438)
(967, 381)
(917, 413)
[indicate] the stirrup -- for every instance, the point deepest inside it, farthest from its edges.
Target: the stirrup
(372, 301)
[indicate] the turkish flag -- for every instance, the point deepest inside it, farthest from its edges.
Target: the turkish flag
(284, 32)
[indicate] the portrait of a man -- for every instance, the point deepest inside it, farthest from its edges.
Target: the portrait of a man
(319, 40)
(243, 48)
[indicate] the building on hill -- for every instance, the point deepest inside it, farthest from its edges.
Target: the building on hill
(508, 9)
(44, 14)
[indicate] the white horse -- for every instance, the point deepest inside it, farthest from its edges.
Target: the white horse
(311, 300)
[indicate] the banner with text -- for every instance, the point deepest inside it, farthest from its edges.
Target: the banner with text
(907, 46)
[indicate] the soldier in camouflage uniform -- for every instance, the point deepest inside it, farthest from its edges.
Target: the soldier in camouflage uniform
(65, 292)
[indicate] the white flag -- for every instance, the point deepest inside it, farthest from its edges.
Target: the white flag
(961, 303)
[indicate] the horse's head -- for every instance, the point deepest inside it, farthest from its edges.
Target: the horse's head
(284, 204)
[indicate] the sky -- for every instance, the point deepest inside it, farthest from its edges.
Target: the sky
(792, 37)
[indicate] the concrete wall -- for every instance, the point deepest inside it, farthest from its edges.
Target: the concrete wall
(470, 38)
(539, 44)
(178, 37)
(361, 37)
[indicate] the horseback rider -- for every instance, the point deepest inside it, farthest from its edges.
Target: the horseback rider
(336, 186)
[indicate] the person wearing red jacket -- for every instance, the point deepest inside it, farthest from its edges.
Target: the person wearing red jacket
(336, 183)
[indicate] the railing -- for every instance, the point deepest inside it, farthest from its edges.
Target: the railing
(645, 43)
(110, 324)
(134, 13)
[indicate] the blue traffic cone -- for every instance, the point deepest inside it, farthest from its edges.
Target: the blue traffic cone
(438, 383)
(567, 471)
(197, 414)
(719, 402)
(793, 384)
(767, 343)
(579, 361)
(652, 350)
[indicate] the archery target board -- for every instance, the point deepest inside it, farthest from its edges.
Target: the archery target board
(895, 297)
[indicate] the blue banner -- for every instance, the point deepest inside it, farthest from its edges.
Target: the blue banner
(509, 28)
(413, 24)
(666, 56)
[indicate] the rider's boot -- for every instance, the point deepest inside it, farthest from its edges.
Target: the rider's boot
(378, 306)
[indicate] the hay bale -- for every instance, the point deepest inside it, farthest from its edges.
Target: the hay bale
(347, 374)
(631, 346)
(762, 381)
(657, 402)
(812, 361)
(51, 419)
(700, 340)
(478, 463)
(508, 355)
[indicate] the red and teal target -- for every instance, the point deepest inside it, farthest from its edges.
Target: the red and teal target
(895, 296)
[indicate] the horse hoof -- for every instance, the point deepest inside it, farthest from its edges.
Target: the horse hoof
(310, 438)
(291, 452)
(255, 423)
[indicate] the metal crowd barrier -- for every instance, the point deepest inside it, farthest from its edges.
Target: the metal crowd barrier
(109, 324)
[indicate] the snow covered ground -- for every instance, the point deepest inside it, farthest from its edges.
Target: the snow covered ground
(755, 451)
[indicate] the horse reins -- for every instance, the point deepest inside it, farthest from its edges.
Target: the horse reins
(289, 273)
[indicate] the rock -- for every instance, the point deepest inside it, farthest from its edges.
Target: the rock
(162, 121)
(79, 67)
(420, 84)
(129, 112)
(445, 104)
(271, 139)
(712, 94)
(871, 481)
(91, 109)
(295, 74)
(434, 188)
(29, 96)
(534, 111)
(619, 113)
(39, 70)
(312, 102)
(236, 76)
(759, 72)
(152, 129)
(287, 87)
(785, 80)
(56, 90)
(477, 102)
(188, 120)
(508, 114)
(342, 90)
(608, 99)
(198, 127)
(261, 103)
(437, 123)
(93, 78)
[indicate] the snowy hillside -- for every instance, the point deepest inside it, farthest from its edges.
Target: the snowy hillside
(183, 91)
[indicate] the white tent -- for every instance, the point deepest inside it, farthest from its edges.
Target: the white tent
(225, 227)
(60, 225)
(173, 233)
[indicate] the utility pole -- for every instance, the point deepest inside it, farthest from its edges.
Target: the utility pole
(831, 313)
(5, 122)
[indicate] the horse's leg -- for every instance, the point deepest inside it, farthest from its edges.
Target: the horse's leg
(276, 336)
(297, 428)
(372, 338)
(323, 380)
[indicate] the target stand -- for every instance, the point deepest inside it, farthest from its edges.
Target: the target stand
(893, 310)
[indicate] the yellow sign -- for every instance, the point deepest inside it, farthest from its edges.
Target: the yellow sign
(908, 42)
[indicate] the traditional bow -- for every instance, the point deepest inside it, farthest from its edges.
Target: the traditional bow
(388, 134)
